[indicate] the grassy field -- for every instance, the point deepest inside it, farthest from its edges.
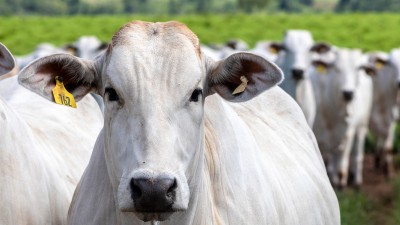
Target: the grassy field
(366, 31)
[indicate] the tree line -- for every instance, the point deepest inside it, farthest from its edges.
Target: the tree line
(74, 7)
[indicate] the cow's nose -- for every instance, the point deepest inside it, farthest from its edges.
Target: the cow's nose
(153, 194)
(348, 95)
(297, 74)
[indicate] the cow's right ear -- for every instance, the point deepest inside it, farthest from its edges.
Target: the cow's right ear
(7, 62)
(79, 76)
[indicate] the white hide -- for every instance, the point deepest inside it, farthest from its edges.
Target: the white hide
(44, 150)
(384, 110)
(254, 162)
(297, 45)
(88, 47)
(341, 126)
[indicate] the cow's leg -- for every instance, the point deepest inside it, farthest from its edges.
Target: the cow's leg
(387, 154)
(357, 158)
(343, 157)
(378, 152)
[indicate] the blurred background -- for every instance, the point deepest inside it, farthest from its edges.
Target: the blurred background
(365, 24)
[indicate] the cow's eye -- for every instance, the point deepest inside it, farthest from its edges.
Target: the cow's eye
(195, 95)
(111, 94)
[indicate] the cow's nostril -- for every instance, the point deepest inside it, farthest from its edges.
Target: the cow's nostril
(136, 191)
(171, 190)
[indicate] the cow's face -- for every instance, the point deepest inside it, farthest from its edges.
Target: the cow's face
(347, 65)
(395, 61)
(154, 80)
(297, 44)
(6, 60)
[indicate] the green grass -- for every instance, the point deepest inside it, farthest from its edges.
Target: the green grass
(355, 208)
(396, 202)
(365, 31)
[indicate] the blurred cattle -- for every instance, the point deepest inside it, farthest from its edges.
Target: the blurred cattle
(87, 47)
(384, 111)
(296, 66)
(41, 50)
(343, 93)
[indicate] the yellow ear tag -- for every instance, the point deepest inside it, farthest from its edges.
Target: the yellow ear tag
(61, 95)
(273, 50)
(241, 86)
(321, 68)
(378, 65)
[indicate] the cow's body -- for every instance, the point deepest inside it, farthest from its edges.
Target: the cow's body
(341, 125)
(44, 150)
(173, 151)
(384, 110)
(236, 165)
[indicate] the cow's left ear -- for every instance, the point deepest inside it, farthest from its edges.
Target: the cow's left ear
(79, 76)
(242, 76)
(7, 62)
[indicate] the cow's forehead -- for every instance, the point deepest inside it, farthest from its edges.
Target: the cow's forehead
(143, 56)
(298, 40)
(171, 32)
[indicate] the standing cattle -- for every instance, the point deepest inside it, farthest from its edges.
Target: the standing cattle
(44, 149)
(344, 97)
(173, 150)
(87, 47)
(295, 65)
(384, 110)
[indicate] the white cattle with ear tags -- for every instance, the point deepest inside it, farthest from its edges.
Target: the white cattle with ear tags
(344, 99)
(384, 109)
(188, 140)
(44, 149)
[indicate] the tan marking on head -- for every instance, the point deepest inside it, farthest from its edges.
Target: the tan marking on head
(149, 29)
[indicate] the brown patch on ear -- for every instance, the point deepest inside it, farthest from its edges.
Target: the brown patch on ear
(321, 47)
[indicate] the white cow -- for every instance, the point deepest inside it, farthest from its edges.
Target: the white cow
(44, 149)
(173, 150)
(384, 110)
(295, 65)
(344, 97)
(87, 47)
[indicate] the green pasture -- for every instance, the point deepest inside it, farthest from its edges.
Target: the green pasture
(365, 31)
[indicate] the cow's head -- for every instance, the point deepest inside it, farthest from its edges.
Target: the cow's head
(395, 61)
(154, 80)
(7, 62)
(297, 44)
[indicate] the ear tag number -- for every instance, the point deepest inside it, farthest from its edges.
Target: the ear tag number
(321, 68)
(61, 95)
(241, 86)
(378, 65)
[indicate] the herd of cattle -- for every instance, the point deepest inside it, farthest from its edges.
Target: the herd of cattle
(167, 131)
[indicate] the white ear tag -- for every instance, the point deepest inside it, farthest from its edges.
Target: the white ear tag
(241, 86)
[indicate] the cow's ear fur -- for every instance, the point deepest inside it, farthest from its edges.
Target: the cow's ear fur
(79, 76)
(225, 76)
(321, 47)
(7, 62)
